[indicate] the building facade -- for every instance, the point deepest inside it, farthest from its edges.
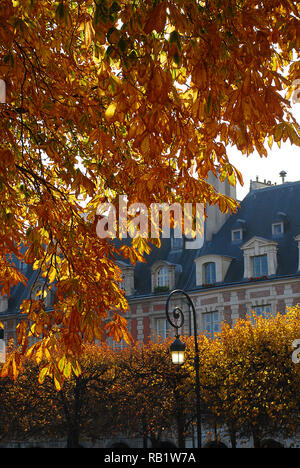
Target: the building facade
(250, 261)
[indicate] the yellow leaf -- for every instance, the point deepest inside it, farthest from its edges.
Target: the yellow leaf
(62, 363)
(67, 370)
(43, 373)
(58, 384)
(76, 368)
(110, 111)
(88, 33)
(145, 145)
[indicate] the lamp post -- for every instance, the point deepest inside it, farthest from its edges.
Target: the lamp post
(177, 348)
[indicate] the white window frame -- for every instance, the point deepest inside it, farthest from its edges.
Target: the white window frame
(235, 231)
(274, 225)
(163, 277)
(222, 265)
(212, 315)
(297, 239)
(259, 246)
(156, 275)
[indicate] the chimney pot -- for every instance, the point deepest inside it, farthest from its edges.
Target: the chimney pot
(282, 175)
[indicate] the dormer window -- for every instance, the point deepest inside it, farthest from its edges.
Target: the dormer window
(236, 235)
(238, 229)
(260, 257)
(277, 229)
(211, 269)
(163, 276)
(279, 223)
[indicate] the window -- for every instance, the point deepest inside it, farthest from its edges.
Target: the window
(118, 346)
(210, 273)
(277, 229)
(163, 277)
(260, 257)
(161, 327)
(262, 310)
(279, 224)
(212, 323)
(260, 265)
(211, 269)
(236, 235)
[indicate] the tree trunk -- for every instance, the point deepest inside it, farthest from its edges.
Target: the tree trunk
(73, 438)
(256, 439)
(232, 438)
(180, 430)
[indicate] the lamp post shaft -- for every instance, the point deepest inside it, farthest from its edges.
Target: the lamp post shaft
(178, 314)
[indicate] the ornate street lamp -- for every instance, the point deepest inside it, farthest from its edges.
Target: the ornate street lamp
(177, 348)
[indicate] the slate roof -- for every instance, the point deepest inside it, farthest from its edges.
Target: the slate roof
(259, 209)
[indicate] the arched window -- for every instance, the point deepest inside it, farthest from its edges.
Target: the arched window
(210, 272)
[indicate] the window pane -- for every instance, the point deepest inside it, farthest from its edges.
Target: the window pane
(260, 265)
(161, 328)
(210, 272)
(277, 228)
(163, 277)
(264, 266)
(236, 235)
(262, 310)
(212, 322)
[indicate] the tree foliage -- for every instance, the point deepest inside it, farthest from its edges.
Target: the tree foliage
(249, 385)
(112, 97)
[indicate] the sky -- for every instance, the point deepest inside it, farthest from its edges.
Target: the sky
(286, 158)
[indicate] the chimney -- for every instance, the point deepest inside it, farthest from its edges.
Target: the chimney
(257, 184)
(215, 219)
(282, 175)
